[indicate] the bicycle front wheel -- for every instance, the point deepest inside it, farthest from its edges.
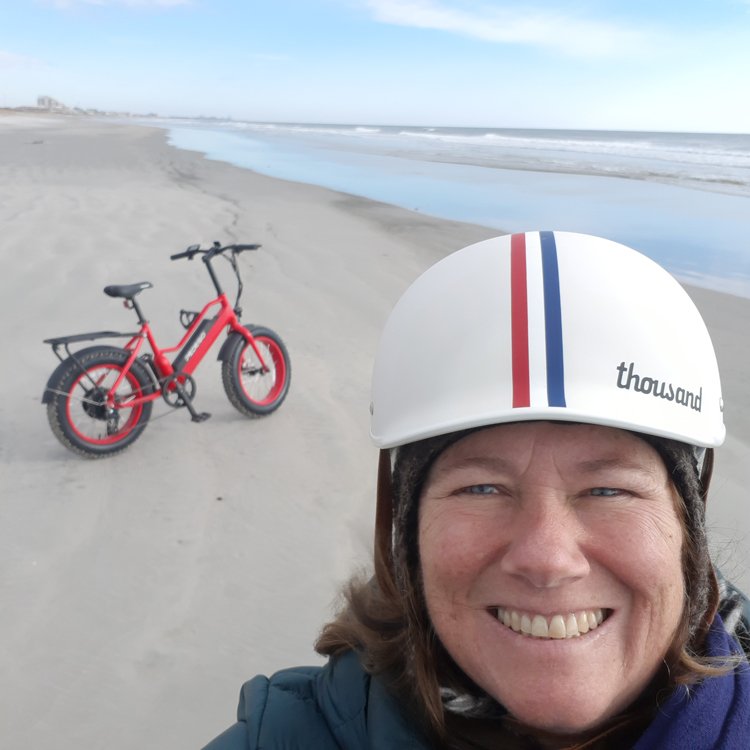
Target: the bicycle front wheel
(251, 389)
(78, 412)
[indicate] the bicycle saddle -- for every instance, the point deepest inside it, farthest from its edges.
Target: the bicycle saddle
(127, 291)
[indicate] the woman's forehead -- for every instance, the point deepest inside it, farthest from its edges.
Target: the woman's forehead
(585, 445)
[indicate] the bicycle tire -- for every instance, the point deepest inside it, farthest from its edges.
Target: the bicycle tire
(76, 410)
(251, 391)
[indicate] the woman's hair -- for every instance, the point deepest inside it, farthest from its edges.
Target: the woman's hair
(384, 618)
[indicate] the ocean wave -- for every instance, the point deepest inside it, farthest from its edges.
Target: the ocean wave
(702, 152)
(301, 128)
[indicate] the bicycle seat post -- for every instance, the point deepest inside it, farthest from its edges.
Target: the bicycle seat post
(134, 304)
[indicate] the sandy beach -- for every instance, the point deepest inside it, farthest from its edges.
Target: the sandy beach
(137, 593)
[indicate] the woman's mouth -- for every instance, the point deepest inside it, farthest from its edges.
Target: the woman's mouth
(558, 626)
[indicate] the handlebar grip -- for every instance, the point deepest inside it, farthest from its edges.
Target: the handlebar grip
(240, 248)
(188, 253)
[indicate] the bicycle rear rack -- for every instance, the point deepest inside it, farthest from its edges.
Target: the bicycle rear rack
(65, 341)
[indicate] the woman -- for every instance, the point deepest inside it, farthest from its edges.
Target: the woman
(547, 405)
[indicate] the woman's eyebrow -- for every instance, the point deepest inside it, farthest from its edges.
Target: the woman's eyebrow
(498, 464)
(607, 464)
(491, 463)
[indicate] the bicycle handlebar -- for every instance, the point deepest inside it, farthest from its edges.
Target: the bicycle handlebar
(216, 249)
(212, 252)
(189, 253)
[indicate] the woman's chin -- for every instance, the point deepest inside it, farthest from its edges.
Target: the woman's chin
(561, 720)
(565, 704)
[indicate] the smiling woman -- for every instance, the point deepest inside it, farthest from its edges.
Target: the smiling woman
(542, 576)
(552, 567)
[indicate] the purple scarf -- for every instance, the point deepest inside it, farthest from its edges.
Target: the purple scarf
(714, 715)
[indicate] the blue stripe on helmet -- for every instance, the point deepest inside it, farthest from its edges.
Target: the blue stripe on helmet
(553, 321)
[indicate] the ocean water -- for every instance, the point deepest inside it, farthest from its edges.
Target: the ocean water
(683, 199)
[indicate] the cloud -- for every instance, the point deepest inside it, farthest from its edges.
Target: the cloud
(573, 36)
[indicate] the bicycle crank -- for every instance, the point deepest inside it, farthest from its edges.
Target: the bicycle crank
(178, 390)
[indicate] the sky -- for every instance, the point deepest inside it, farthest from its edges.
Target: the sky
(674, 65)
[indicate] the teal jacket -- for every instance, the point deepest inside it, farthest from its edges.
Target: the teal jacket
(334, 707)
(340, 707)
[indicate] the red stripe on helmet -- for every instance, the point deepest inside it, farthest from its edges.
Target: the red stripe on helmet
(519, 321)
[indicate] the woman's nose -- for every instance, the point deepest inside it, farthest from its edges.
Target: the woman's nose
(545, 547)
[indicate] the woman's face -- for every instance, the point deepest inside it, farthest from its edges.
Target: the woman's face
(551, 563)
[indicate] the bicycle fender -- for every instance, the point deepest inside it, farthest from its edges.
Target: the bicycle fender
(226, 347)
(47, 395)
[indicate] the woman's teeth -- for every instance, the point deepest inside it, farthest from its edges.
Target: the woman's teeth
(561, 626)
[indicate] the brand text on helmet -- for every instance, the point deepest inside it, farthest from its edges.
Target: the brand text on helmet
(629, 379)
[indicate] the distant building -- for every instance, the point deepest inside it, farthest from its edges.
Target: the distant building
(50, 104)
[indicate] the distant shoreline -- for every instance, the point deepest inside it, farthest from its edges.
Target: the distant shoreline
(77, 111)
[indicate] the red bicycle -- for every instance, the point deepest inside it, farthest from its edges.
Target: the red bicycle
(99, 399)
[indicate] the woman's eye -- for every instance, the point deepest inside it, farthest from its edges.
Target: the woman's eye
(480, 489)
(605, 492)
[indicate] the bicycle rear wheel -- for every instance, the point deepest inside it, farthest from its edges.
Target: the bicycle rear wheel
(77, 409)
(253, 391)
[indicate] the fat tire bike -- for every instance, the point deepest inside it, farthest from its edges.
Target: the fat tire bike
(99, 399)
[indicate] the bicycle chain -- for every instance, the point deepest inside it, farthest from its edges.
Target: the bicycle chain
(171, 411)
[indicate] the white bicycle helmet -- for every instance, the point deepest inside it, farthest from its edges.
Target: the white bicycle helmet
(546, 325)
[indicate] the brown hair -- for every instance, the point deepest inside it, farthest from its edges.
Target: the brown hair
(384, 618)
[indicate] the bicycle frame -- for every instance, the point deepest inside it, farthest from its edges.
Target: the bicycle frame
(198, 339)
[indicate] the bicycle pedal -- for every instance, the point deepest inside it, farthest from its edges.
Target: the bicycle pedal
(202, 417)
